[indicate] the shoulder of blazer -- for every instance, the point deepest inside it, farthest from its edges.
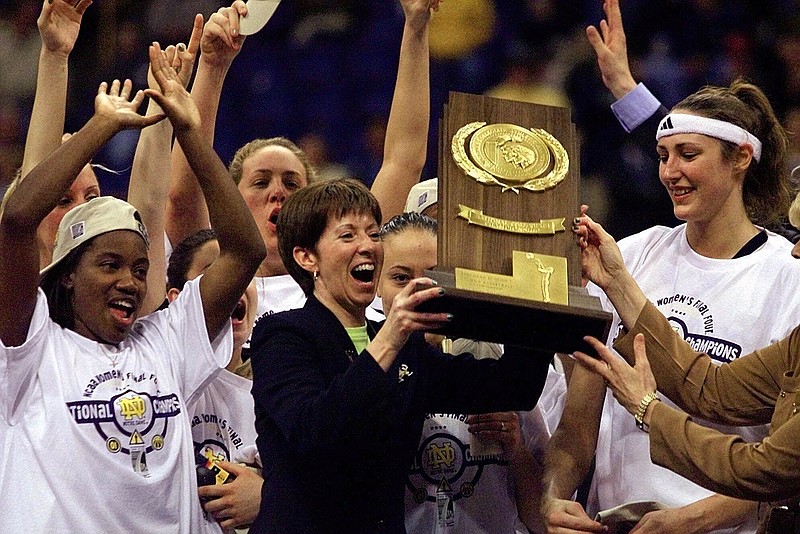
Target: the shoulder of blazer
(313, 321)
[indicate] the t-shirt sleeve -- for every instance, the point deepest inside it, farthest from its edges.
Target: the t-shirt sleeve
(194, 360)
(19, 365)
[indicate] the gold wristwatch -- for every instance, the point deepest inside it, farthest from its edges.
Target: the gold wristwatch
(643, 404)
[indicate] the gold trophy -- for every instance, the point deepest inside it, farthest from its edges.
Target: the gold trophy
(508, 180)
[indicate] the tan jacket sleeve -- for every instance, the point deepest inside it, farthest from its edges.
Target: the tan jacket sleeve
(757, 388)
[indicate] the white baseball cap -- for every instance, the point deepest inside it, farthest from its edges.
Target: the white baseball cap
(423, 195)
(258, 13)
(91, 219)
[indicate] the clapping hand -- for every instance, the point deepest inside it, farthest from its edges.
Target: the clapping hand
(60, 22)
(172, 96)
(115, 105)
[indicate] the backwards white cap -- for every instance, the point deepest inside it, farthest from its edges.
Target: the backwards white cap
(258, 13)
(423, 195)
(91, 219)
(678, 123)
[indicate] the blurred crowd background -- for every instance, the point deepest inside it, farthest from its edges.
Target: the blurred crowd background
(322, 73)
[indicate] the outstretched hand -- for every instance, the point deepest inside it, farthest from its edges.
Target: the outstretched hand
(221, 40)
(172, 96)
(601, 259)
(629, 384)
(611, 49)
(60, 22)
(181, 57)
(115, 105)
(403, 318)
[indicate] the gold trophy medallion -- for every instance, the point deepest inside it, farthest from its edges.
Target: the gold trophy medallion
(510, 156)
(510, 152)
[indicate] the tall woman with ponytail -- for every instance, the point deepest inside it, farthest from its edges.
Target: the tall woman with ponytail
(716, 278)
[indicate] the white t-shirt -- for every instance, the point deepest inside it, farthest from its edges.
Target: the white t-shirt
(726, 308)
(276, 294)
(464, 478)
(223, 423)
(375, 310)
(102, 431)
(554, 394)
(223, 419)
(472, 487)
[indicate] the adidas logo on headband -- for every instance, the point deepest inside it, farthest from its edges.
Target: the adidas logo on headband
(678, 123)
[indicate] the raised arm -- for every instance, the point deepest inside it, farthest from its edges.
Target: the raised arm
(186, 208)
(39, 193)
(611, 48)
(241, 246)
(569, 453)
(572, 446)
(601, 263)
(406, 144)
(149, 183)
(59, 24)
(637, 110)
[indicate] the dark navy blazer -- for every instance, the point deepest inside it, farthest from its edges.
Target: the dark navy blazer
(336, 433)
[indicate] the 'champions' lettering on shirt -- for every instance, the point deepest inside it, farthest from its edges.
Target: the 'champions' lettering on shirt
(718, 349)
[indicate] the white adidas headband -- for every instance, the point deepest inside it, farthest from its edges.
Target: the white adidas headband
(678, 123)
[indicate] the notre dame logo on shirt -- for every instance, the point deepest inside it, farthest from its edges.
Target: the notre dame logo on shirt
(132, 423)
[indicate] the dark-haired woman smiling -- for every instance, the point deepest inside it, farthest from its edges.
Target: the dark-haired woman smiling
(340, 401)
(93, 423)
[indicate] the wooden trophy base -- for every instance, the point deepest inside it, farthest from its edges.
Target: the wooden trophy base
(519, 322)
